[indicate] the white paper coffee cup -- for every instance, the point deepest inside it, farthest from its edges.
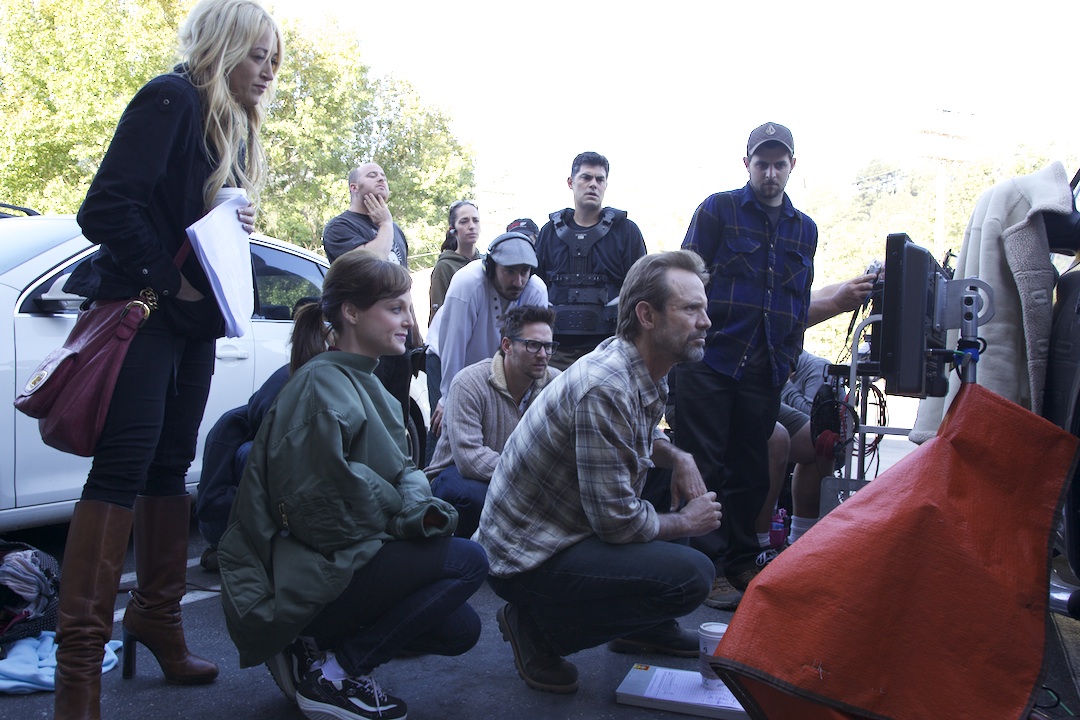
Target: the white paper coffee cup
(709, 635)
(228, 193)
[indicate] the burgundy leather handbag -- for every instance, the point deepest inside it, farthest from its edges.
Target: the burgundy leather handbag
(70, 391)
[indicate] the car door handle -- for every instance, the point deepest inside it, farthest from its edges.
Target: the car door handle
(232, 354)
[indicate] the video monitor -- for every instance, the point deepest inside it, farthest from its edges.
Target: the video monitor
(909, 333)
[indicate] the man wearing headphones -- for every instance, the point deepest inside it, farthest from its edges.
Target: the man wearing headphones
(584, 253)
(468, 326)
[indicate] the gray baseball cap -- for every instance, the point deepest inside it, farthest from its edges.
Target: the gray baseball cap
(770, 132)
(512, 248)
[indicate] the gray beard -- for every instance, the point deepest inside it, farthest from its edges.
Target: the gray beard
(693, 354)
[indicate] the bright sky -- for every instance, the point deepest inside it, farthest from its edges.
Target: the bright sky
(669, 91)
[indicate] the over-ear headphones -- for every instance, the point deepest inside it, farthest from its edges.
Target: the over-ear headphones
(499, 241)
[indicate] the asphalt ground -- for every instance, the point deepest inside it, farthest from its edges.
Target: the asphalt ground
(479, 685)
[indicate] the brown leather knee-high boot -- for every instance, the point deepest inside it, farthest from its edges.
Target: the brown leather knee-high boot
(153, 613)
(93, 561)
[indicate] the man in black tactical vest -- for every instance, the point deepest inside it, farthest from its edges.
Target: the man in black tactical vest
(583, 255)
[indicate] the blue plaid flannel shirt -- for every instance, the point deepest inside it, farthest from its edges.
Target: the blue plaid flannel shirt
(760, 278)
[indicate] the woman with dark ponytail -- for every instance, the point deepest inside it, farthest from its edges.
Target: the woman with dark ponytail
(337, 558)
(458, 250)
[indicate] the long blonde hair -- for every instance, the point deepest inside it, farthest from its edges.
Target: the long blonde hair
(216, 37)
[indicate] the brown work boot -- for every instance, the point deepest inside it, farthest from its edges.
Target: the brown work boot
(536, 663)
(724, 595)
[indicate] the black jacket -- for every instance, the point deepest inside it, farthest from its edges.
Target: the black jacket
(148, 190)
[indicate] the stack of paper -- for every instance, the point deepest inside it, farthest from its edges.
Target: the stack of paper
(221, 244)
(678, 691)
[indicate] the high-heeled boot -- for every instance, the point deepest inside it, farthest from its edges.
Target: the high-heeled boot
(93, 562)
(153, 613)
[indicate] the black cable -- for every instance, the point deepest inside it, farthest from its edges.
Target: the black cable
(857, 315)
(870, 451)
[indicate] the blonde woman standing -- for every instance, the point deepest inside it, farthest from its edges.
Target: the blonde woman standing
(183, 137)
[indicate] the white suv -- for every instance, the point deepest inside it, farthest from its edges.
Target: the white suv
(39, 485)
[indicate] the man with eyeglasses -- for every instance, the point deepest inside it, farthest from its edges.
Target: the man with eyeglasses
(574, 549)
(583, 255)
(484, 405)
(468, 326)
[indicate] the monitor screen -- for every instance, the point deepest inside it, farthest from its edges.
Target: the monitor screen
(909, 331)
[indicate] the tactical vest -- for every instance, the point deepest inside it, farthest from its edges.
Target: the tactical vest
(580, 298)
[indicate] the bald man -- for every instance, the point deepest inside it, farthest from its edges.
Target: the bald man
(367, 223)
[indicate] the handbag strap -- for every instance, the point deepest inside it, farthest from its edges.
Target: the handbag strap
(182, 254)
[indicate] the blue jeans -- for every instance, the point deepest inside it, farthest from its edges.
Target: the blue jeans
(148, 441)
(465, 494)
(594, 591)
(411, 596)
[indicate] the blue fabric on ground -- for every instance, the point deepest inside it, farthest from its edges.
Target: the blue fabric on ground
(30, 664)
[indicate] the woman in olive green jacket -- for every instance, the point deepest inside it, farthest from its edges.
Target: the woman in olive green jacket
(335, 542)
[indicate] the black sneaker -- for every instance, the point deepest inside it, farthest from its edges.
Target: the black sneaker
(291, 665)
(361, 696)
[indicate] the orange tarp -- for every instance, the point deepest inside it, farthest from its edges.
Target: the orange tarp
(923, 596)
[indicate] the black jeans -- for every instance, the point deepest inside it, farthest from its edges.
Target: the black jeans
(411, 596)
(725, 424)
(150, 432)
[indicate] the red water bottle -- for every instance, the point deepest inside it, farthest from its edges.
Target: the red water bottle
(778, 529)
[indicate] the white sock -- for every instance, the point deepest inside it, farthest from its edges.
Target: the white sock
(333, 671)
(799, 526)
(763, 540)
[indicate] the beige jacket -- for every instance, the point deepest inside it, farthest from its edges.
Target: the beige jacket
(1006, 246)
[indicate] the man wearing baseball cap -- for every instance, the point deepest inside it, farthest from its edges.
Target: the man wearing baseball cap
(468, 326)
(759, 251)
(526, 226)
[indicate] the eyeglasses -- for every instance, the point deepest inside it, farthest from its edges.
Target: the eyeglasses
(534, 346)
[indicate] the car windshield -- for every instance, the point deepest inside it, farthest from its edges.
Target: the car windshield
(24, 238)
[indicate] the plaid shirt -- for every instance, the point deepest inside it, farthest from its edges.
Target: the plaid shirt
(760, 277)
(576, 463)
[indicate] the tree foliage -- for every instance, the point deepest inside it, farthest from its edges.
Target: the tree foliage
(329, 116)
(930, 200)
(67, 70)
